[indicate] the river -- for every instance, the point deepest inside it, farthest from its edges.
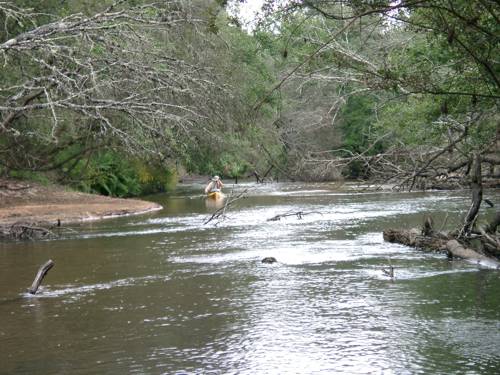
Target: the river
(165, 293)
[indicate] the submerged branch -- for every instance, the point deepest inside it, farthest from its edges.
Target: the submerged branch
(299, 215)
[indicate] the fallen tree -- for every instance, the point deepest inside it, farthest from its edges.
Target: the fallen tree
(479, 247)
(471, 241)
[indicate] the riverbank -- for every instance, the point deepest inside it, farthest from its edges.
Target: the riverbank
(33, 203)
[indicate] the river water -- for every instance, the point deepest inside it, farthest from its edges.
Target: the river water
(166, 294)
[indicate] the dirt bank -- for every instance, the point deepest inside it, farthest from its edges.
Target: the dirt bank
(34, 203)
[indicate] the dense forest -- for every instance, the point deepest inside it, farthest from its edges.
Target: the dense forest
(119, 97)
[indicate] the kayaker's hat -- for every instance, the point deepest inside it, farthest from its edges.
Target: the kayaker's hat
(215, 178)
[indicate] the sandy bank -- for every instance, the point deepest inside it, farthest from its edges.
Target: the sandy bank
(34, 203)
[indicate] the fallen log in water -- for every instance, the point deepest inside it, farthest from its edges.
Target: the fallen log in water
(437, 242)
(457, 250)
(415, 238)
(42, 271)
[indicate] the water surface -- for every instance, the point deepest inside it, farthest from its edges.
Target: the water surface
(165, 294)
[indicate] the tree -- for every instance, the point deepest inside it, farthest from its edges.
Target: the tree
(407, 52)
(432, 66)
(154, 80)
(101, 78)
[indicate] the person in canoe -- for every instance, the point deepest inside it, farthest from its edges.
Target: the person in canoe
(214, 187)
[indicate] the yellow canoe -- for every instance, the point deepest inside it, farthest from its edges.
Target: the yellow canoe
(215, 195)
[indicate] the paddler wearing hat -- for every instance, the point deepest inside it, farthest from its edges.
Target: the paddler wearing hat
(214, 186)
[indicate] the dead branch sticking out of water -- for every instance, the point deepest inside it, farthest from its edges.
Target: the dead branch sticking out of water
(220, 214)
(42, 271)
(389, 272)
(261, 179)
(299, 215)
(24, 231)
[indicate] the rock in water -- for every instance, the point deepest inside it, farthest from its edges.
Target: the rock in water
(269, 260)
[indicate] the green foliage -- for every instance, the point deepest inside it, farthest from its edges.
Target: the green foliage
(234, 155)
(413, 121)
(226, 164)
(358, 117)
(153, 177)
(109, 173)
(211, 78)
(233, 165)
(436, 68)
(38, 177)
(359, 132)
(467, 32)
(434, 74)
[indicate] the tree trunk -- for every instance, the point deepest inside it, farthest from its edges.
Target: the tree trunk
(457, 250)
(437, 242)
(415, 238)
(477, 197)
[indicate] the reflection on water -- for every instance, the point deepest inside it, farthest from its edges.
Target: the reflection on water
(167, 294)
(214, 204)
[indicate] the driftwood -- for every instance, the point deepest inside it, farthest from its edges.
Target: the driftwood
(415, 238)
(299, 215)
(389, 272)
(42, 271)
(8, 185)
(490, 241)
(220, 214)
(24, 231)
(266, 173)
(457, 250)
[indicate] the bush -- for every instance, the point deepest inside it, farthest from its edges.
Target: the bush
(154, 178)
(109, 173)
(39, 177)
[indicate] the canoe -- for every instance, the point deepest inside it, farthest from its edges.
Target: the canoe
(215, 195)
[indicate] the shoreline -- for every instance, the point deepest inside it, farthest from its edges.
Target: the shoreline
(22, 202)
(123, 213)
